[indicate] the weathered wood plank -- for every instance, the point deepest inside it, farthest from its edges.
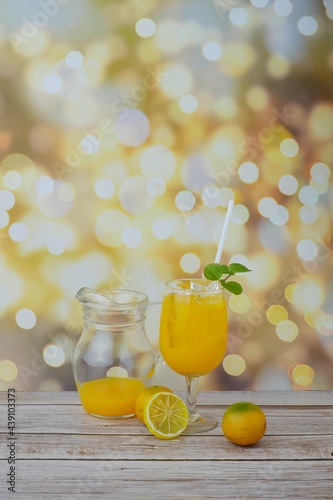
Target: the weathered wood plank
(268, 398)
(226, 492)
(61, 419)
(210, 398)
(148, 447)
(134, 480)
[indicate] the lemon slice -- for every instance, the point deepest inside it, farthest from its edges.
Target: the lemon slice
(165, 414)
(144, 397)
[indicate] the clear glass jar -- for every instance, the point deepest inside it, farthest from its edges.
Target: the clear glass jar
(113, 358)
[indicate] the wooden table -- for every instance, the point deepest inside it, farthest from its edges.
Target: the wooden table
(62, 453)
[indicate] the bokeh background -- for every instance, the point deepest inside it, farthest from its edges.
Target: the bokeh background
(126, 127)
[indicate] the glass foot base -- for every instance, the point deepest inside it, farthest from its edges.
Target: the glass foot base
(201, 423)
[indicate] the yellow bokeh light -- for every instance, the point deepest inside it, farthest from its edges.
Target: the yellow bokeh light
(188, 103)
(195, 32)
(94, 71)
(289, 147)
(287, 330)
(36, 46)
(319, 187)
(276, 313)
(147, 51)
(80, 116)
(212, 51)
(226, 108)
(313, 295)
(11, 288)
(52, 84)
(324, 324)
(44, 185)
(257, 98)
(223, 146)
(24, 166)
(26, 318)
(133, 195)
(7, 199)
(72, 274)
(99, 51)
(35, 73)
(234, 365)
(321, 121)
(190, 263)
(158, 161)
(66, 191)
(283, 7)
(163, 135)
(239, 303)
(238, 16)
(110, 226)
(307, 25)
(178, 80)
(74, 59)
(53, 355)
(312, 315)
(131, 237)
(4, 219)
(156, 187)
(237, 58)
(265, 271)
(274, 155)
(293, 293)
(174, 43)
(277, 67)
(8, 370)
(12, 179)
(303, 374)
(145, 27)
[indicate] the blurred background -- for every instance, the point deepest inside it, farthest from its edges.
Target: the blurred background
(125, 129)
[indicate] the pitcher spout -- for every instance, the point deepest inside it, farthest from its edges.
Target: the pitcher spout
(85, 294)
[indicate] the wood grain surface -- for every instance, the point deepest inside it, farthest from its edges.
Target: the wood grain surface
(63, 453)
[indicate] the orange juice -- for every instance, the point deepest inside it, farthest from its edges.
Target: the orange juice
(193, 332)
(110, 397)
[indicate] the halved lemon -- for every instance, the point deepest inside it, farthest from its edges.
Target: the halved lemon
(165, 415)
(144, 397)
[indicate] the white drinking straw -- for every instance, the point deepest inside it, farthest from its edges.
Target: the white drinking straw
(224, 232)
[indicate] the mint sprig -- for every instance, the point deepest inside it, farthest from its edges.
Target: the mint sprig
(215, 272)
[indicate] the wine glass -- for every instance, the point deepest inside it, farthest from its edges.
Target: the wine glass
(193, 337)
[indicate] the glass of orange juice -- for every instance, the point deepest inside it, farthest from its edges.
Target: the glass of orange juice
(193, 337)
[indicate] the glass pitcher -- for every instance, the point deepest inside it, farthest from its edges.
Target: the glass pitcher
(113, 359)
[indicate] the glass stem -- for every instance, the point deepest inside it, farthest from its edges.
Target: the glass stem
(191, 398)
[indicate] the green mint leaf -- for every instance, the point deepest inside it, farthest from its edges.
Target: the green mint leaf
(238, 268)
(214, 272)
(233, 287)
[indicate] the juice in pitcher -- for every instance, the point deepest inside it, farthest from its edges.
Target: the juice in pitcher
(193, 332)
(110, 397)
